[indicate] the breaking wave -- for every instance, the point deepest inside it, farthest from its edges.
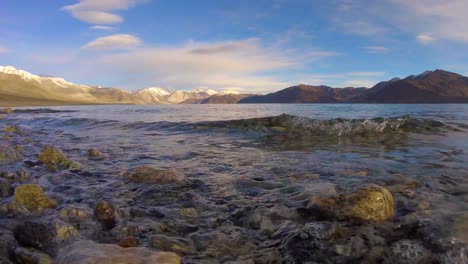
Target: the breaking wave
(333, 127)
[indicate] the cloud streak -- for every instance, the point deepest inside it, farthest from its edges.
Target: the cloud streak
(100, 12)
(113, 42)
(376, 49)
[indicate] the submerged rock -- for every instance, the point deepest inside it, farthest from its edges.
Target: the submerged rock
(32, 198)
(19, 176)
(89, 252)
(146, 174)
(6, 189)
(178, 245)
(31, 256)
(9, 155)
(105, 213)
(44, 235)
(408, 252)
(74, 214)
(54, 159)
(95, 154)
(371, 203)
(129, 242)
(13, 129)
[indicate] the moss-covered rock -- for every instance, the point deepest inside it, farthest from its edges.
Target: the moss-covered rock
(95, 154)
(74, 214)
(31, 256)
(87, 251)
(106, 214)
(370, 203)
(32, 197)
(54, 159)
(9, 155)
(146, 174)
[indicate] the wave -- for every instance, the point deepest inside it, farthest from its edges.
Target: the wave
(338, 127)
(42, 111)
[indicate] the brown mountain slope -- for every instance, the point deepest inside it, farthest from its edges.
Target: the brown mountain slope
(306, 94)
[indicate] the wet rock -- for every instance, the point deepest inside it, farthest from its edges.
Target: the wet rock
(177, 245)
(90, 252)
(31, 256)
(95, 154)
(8, 243)
(354, 248)
(105, 213)
(14, 129)
(371, 203)
(146, 174)
(7, 111)
(188, 212)
(227, 243)
(19, 176)
(129, 242)
(1, 116)
(44, 235)
(74, 214)
(455, 251)
(9, 155)
(32, 197)
(18, 148)
(54, 159)
(6, 138)
(408, 252)
(6, 189)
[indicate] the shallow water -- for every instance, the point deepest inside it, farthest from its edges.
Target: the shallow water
(250, 178)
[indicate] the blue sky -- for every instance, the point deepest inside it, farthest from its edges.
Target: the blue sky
(249, 46)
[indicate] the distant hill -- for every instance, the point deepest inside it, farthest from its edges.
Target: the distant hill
(307, 94)
(21, 88)
(429, 87)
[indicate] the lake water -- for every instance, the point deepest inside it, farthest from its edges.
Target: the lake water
(251, 180)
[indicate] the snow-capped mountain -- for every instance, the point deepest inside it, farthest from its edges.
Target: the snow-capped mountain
(152, 95)
(32, 77)
(19, 87)
(180, 96)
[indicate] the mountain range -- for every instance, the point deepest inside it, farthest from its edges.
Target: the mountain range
(21, 88)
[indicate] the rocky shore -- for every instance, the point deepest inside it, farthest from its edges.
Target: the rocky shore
(172, 222)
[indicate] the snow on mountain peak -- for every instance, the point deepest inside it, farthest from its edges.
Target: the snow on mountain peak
(153, 90)
(23, 74)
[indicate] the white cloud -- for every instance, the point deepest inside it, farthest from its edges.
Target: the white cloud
(119, 41)
(101, 28)
(376, 49)
(4, 49)
(100, 11)
(245, 64)
(446, 19)
(425, 38)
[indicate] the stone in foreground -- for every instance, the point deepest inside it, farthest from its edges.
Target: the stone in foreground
(89, 252)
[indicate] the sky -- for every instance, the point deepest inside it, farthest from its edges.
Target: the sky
(249, 46)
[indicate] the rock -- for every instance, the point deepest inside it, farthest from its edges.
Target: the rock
(32, 197)
(7, 111)
(9, 155)
(89, 252)
(18, 148)
(6, 189)
(74, 214)
(31, 256)
(354, 248)
(370, 203)
(105, 213)
(146, 174)
(95, 154)
(13, 129)
(54, 159)
(178, 245)
(1, 116)
(19, 176)
(129, 242)
(408, 252)
(44, 235)
(8, 243)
